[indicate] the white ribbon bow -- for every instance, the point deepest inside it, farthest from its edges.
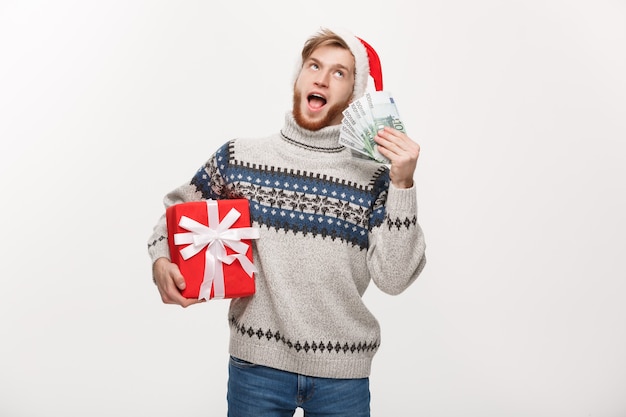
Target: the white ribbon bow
(217, 235)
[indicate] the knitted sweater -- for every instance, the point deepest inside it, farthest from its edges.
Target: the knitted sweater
(329, 223)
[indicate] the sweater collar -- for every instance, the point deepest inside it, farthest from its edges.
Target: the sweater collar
(323, 140)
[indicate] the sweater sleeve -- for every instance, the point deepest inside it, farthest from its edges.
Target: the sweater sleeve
(396, 253)
(205, 184)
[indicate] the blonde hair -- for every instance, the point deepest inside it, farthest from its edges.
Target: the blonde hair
(322, 38)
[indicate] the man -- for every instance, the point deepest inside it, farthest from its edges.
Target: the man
(329, 223)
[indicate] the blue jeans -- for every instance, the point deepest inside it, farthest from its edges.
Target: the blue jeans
(259, 391)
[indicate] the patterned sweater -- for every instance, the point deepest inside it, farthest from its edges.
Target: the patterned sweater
(329, 223)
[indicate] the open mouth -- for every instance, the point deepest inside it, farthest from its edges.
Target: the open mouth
(316, 101)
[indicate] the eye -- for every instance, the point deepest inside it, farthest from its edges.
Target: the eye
(339, 73)
(314, 66)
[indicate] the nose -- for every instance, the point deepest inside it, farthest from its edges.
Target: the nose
(321, 79)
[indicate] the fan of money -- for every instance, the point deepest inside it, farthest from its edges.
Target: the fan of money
(366, 116)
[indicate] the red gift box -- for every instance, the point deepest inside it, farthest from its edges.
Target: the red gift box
(210, 241)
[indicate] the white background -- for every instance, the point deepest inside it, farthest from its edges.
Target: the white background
(519, 107)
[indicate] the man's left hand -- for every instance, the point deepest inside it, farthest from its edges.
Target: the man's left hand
(403, 153)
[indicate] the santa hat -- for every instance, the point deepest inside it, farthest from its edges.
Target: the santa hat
(366, 60)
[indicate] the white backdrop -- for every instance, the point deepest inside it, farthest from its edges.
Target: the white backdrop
(520, 111)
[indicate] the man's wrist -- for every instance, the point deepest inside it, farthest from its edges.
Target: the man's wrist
(403, 184)
(154, 266)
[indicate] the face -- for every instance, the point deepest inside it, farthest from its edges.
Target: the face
(324, 87)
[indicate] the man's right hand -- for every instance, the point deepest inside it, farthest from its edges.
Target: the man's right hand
(170, 283)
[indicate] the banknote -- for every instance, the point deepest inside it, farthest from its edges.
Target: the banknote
(360, 118)
(362, 126)
(366, 116)
(347, 138)
(384, 111)
(350, 126)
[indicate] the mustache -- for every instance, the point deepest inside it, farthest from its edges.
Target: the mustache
(331, 113)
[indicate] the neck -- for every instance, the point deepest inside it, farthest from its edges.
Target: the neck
(325, 139)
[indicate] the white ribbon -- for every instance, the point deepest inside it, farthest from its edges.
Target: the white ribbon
(215, 237)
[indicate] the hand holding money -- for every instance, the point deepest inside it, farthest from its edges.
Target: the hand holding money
(403, 153)
(364, 118)
(372, 122)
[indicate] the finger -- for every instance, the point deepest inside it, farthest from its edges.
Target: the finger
(391, 156)
(171, 295)
(399, 144)
(190, 301)
(177, 277)
(388, 148)
(391, 139)
(179, 280)
(398, 137)
(392, 134)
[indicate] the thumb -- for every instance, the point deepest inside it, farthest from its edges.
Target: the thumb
(177, 277)
(179, 280)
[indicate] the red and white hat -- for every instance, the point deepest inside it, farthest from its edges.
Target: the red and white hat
(367, 63)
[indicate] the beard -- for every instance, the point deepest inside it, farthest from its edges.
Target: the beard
(332, 113)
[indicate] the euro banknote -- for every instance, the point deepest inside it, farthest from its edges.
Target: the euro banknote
(366, 116)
